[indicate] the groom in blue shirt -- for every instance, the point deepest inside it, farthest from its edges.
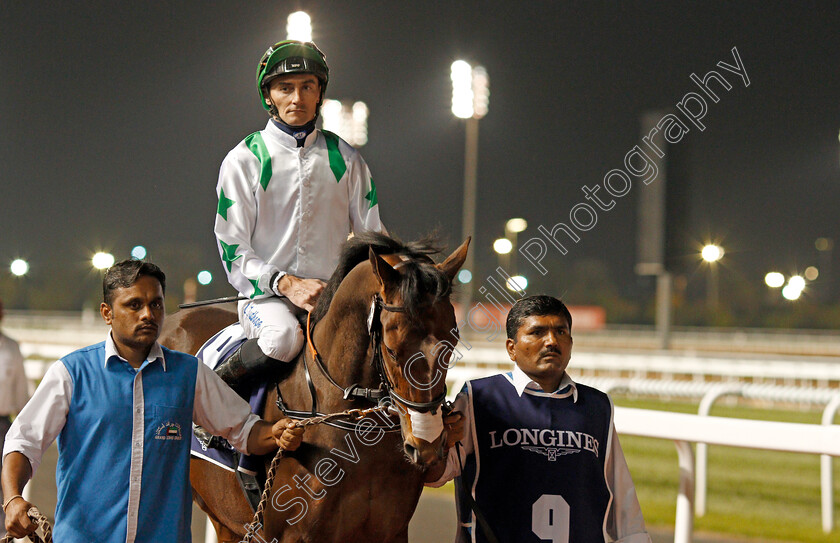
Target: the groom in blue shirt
(122, 411)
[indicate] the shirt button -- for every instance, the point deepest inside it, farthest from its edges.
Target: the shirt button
(302, 250)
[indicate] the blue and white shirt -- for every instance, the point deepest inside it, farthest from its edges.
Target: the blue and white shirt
(124, 440)
(542, 465)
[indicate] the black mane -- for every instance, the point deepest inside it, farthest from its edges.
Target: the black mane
(419, 275)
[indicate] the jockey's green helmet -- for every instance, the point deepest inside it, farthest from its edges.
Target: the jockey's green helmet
(291, 57)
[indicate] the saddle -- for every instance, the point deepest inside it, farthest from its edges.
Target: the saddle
(249, 469)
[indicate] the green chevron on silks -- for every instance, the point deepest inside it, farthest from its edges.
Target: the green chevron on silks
(257, 290)
(257, 146)
(371, 195)
(229, 253)
(224, 205)
(337, 164)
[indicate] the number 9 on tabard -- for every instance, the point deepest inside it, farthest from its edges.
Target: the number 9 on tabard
(550, 518)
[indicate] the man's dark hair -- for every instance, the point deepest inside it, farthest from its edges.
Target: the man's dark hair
(539, 305)
(125, 273)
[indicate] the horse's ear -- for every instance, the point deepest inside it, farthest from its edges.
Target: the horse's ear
(453, 262)
(383, 271)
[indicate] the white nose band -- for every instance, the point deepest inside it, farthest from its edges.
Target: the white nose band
(426, 426)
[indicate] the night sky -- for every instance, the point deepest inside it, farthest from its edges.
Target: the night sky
(115, 117)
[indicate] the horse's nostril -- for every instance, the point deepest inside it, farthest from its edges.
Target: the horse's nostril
(412, 453)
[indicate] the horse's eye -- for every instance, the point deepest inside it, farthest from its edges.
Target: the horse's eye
(391, 352)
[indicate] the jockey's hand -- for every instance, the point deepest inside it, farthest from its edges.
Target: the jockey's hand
(287, 435)
(303, 293)
(18, 522)
(453, 423)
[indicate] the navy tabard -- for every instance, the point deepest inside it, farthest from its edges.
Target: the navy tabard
(538, 469)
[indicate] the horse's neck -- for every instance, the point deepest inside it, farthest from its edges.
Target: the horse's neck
(343, 340)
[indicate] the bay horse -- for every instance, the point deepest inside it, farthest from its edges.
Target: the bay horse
(383, 322)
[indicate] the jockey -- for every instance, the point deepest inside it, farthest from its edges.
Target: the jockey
(288, 196)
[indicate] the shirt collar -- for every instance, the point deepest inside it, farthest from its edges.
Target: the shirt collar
(287, 140)
(521, 381)
(111, 352)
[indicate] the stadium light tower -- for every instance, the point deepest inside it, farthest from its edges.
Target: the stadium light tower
(299, 26)
(470, 101)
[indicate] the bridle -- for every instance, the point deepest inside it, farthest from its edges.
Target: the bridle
(375, 329)
(386, 393)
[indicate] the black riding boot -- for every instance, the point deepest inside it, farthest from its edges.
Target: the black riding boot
(246, 365)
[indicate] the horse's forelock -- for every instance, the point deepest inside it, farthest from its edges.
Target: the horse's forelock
(421, 280)
(420, 276)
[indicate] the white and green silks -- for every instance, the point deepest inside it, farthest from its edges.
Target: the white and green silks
(284, 208)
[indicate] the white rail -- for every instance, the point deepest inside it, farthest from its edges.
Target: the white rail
(684, 429)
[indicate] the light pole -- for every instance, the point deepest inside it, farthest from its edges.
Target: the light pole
(712, 253)
(470, 100)
(513, 228)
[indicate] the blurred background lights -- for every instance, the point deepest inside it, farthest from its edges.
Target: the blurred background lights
(517, 282)
(502, 246)
(349, 122)
(465, 276)
(516, 225)
(102, 261)
(774, 279)
(299, 26)
(138, 252)
(823, 244)
(791, 293)
(811, 273)
(204, 277)
(19, 267)
(712, 253)
(797, 282)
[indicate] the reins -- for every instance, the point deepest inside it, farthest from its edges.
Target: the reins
(259, 513)
(42, 522)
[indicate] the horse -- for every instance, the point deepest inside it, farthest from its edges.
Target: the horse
(383, 326)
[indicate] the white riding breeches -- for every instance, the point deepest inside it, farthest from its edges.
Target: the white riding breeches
(274, 322)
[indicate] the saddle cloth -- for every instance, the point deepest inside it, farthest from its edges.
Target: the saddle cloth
(217, 349)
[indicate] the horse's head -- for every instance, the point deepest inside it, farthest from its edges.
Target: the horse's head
(413, 325)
